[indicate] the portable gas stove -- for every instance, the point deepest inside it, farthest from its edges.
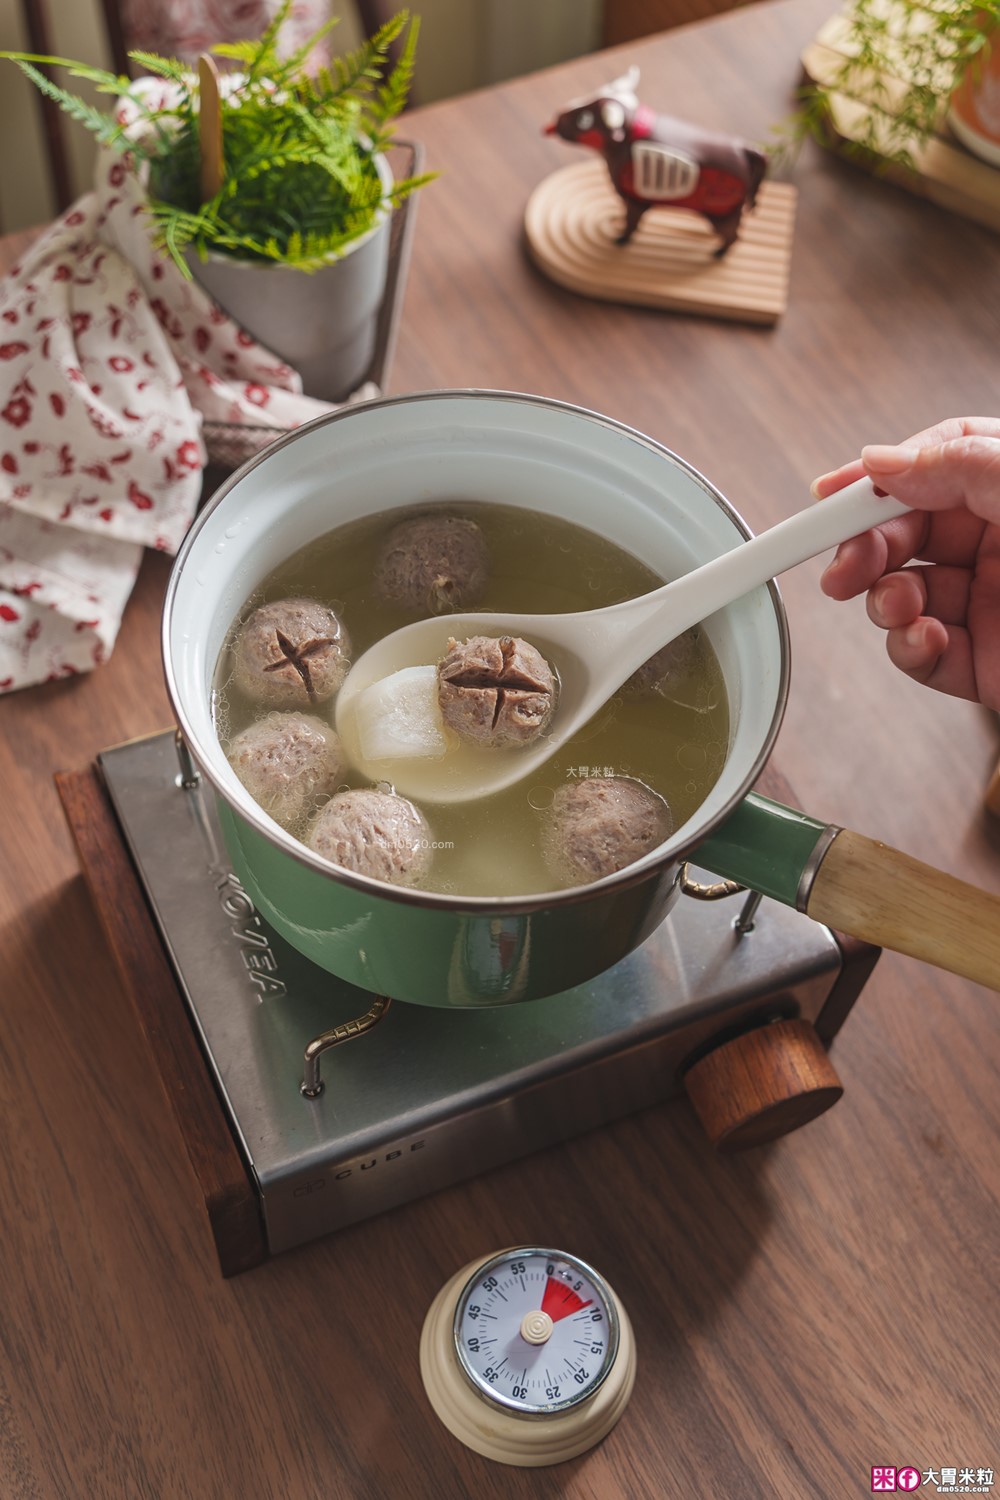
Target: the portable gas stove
(290, 1141)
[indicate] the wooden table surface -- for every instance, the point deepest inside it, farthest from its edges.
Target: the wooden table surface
(805, 1311)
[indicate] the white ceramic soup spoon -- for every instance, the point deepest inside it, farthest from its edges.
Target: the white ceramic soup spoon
(594, 652)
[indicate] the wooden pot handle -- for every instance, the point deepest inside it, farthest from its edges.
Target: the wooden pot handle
(885, 897)
(858, 886)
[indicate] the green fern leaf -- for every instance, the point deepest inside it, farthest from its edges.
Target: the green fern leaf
(360, 70)
(391, 97)
(163, 67)
(286, 75)
(407, 185)
(105, 82)
(243, 52)
(266, 59)
(104, 127)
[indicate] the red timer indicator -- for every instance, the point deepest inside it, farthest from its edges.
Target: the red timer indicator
(559, 1300)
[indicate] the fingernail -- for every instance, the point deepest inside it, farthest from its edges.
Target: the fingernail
(885, 459)
(828, 578)
(876, 604)
(915, 634)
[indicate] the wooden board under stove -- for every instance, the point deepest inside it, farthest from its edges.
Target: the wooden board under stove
(574, 217)
(944, 171)
(229, 1193)
(176, 1056)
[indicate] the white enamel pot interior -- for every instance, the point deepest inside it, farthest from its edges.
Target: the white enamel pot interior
(461, 445)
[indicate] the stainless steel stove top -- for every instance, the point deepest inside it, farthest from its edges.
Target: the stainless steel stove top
(427, 1097)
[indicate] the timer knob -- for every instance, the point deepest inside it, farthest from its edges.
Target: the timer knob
(536, 1327)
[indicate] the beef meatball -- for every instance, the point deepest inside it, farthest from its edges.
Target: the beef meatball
(291, 654)
(663, 671)
(288, 763)
(433, 564)
(496, 691)
(373, 833)
(600, 824)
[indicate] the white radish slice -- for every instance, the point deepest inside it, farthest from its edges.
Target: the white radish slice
(398, 718)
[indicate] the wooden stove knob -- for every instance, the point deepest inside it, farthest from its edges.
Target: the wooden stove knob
(763, 1084)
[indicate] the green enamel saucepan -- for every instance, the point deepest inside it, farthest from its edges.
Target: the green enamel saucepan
(443, 950)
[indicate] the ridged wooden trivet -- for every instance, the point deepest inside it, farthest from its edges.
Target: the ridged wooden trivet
(574, 217)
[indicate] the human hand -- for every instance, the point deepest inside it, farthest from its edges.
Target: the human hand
(943, 619)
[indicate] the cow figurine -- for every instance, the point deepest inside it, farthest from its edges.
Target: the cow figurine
(658, 162)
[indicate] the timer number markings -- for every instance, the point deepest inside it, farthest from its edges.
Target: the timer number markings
(573, 1350)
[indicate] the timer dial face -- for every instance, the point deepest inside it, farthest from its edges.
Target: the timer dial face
(536, 1331)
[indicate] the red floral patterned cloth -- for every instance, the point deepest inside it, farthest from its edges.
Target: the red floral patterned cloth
(109, 362)
(184, 28)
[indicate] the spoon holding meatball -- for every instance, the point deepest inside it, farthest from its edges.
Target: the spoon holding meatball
(592, 653)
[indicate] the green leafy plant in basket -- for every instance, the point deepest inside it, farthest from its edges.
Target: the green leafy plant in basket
(299, 179)
(896, 65)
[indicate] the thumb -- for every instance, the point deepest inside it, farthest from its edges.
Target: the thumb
(963, 471)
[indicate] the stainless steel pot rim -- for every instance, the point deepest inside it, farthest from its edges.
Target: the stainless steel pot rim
(673, 851)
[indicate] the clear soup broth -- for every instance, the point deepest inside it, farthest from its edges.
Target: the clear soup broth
(674, 740)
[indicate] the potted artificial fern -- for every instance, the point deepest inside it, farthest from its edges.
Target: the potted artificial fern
(901, 67)
(270, 184)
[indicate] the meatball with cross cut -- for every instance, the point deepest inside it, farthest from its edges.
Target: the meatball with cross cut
(496, 691)
(293, 653)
